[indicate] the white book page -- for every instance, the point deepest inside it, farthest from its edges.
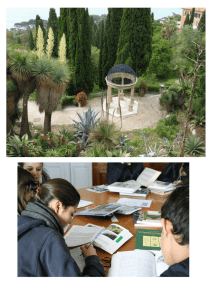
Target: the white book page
(161, 265)
(79, 259)
(147, 176)
(137, 263)
(112, 238)
(79, 235)
(84, 203)
(134, 202)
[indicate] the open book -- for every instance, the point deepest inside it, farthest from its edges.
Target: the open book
(109, 239)
(147, 177)
(137, 263)
(160, 187)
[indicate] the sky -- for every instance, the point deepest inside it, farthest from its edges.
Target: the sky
(20, 14)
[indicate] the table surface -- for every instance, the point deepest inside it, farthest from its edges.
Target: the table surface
(123, 220)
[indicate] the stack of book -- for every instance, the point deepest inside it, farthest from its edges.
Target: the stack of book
(161, 188)
(147, 219)
(140, 192)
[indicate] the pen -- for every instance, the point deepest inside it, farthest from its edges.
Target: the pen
(87, 247)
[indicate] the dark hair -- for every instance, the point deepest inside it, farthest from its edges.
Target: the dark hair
(59, 189)
(176, 210)
(44, 174)
(26, 184)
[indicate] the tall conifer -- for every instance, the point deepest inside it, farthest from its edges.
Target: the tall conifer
(31, 41)
(201, 25)
(100, 65)
(53, 23)
(135, 40)
(192, 17)
(187, 20)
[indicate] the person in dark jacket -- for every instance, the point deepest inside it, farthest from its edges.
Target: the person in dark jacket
(174, 172)
(42, 251)
(120, 172)
(175, 233)
(37, 170)
(26, 188)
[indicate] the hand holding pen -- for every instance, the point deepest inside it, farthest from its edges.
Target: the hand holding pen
(88, 250)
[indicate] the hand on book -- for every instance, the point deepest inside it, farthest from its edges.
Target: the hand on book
(88, 251)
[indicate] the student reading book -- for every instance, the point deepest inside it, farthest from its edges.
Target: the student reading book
(175, 233)
(146, 177)
(120, 172)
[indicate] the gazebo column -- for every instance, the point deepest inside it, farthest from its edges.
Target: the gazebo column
(131, 99)
(121, 93)
(118, 111)
(109, 95)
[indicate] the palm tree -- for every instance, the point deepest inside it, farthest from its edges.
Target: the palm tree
(21, 66)
(169, 26)
(52, 78)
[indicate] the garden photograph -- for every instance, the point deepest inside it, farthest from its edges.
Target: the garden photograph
(123, 83)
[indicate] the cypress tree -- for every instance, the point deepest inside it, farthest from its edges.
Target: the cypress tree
(53, 23)
(83, 67)
(135, 40)
(100, 65)
(115, 15)
(187, 20)
(31, 41)
(192, 17)
(72, 32)
(201, 25)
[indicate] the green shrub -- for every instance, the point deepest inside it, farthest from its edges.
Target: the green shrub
(166, 98)
(154, 88)
(168, 128)
(68, 100)
(193, 145)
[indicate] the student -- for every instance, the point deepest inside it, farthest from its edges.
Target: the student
(120, 172)
(174, 172)
(26, 185)
(42, 251)
(175, 233)
(36, 169)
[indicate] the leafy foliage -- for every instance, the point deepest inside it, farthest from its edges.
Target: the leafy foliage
(193, 145)
(81, 98)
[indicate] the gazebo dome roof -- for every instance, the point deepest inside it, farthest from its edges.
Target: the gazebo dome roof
(121, 68)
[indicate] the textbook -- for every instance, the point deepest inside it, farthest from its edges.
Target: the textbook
(140, 192)
(146, 177)
(148, 219)
(99, 211)
(148, 239)
(160, 187)
(108, 239)
(137, 263)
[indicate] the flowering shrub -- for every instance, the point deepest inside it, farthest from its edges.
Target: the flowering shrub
(81, 98)
(143, 89)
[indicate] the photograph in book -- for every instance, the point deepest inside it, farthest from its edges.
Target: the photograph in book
(98, 189)
(100, 210)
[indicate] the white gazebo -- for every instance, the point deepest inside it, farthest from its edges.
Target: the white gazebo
(121, 77)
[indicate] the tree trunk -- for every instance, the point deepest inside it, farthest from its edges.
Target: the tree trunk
(47, 122)
(9, 126)
(24, 121)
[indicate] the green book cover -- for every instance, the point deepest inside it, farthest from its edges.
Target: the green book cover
(148, 239)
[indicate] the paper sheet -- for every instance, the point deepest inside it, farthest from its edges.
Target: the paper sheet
(79, 259)
(134, 202)
(80, 235)
(84, 203)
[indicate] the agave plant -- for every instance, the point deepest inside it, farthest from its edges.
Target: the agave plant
(117, 153)
(89, 119)
(18, 147)
(193, 145)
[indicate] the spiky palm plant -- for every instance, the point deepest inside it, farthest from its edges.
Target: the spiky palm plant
(21, 66)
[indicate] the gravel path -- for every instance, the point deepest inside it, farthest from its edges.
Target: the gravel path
(149, 113)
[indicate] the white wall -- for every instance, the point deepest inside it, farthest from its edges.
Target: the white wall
(79, 174)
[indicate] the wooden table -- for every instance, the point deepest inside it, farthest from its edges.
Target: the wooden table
(123, 220)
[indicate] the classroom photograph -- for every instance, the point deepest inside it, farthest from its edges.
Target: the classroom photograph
(79, 219)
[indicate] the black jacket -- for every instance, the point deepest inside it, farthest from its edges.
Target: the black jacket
(178, 270)
(118, 172)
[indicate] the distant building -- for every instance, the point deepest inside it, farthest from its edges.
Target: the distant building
(197, 15)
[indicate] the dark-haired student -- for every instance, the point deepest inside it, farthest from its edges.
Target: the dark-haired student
(37, 170)
(175, 172)
(175, 233)
(120, 172)
(42, 251)
(26, 186)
